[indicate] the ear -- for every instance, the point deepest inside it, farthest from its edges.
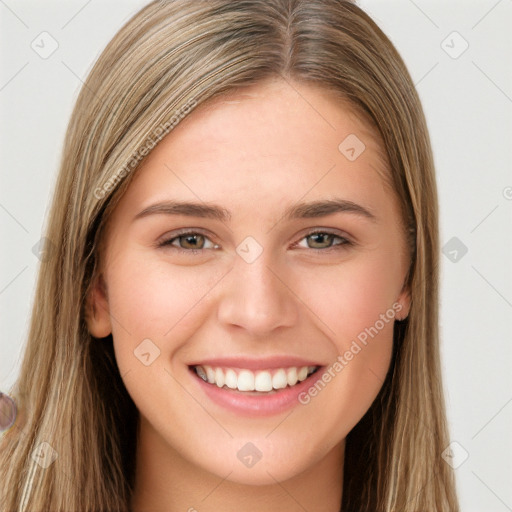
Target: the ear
(404, 300)
(97, 313)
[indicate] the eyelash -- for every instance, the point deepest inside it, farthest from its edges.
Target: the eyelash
(168, 243)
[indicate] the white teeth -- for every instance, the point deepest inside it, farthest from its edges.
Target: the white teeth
(291, 376)
(231, 379)
(219, 377)
(263, 381)
(302, 373)
(247, 380)
(210, 374)
(279, 379)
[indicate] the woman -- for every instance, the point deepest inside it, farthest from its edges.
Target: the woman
(241, 309)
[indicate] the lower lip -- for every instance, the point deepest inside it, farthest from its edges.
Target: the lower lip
(264, 404)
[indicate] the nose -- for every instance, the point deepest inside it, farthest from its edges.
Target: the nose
(257, 297)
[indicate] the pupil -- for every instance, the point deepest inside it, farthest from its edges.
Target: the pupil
(320, 235)
(194, 240)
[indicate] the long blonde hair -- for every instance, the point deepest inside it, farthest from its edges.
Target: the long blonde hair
(72, 447)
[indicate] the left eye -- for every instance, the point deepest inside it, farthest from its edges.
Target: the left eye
(193, 242)
(322, 237)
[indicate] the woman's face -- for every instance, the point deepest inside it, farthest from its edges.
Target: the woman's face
(237, 288)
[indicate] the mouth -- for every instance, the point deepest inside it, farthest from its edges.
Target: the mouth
(254, 382)
(258, 391)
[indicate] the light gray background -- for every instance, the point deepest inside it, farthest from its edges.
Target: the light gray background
(468, 103)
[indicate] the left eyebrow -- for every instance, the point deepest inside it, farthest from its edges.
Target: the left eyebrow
(323, 208)
(308, 210)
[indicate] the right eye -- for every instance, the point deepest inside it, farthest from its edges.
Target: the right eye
(188, 242)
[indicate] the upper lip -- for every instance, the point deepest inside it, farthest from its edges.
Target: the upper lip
(267, 363)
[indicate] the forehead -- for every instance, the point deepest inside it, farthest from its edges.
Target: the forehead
(278, 114)
(270, 144)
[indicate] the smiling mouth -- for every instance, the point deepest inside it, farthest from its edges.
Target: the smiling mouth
(254, 382)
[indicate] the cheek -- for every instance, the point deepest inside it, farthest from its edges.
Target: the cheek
(355, 305)
(352, 297)
(148, 299)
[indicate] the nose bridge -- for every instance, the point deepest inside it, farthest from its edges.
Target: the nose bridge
(255, 297)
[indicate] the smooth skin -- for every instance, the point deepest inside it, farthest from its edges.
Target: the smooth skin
(254, 153)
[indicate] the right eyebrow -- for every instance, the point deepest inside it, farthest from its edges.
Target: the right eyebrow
(187, 208)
